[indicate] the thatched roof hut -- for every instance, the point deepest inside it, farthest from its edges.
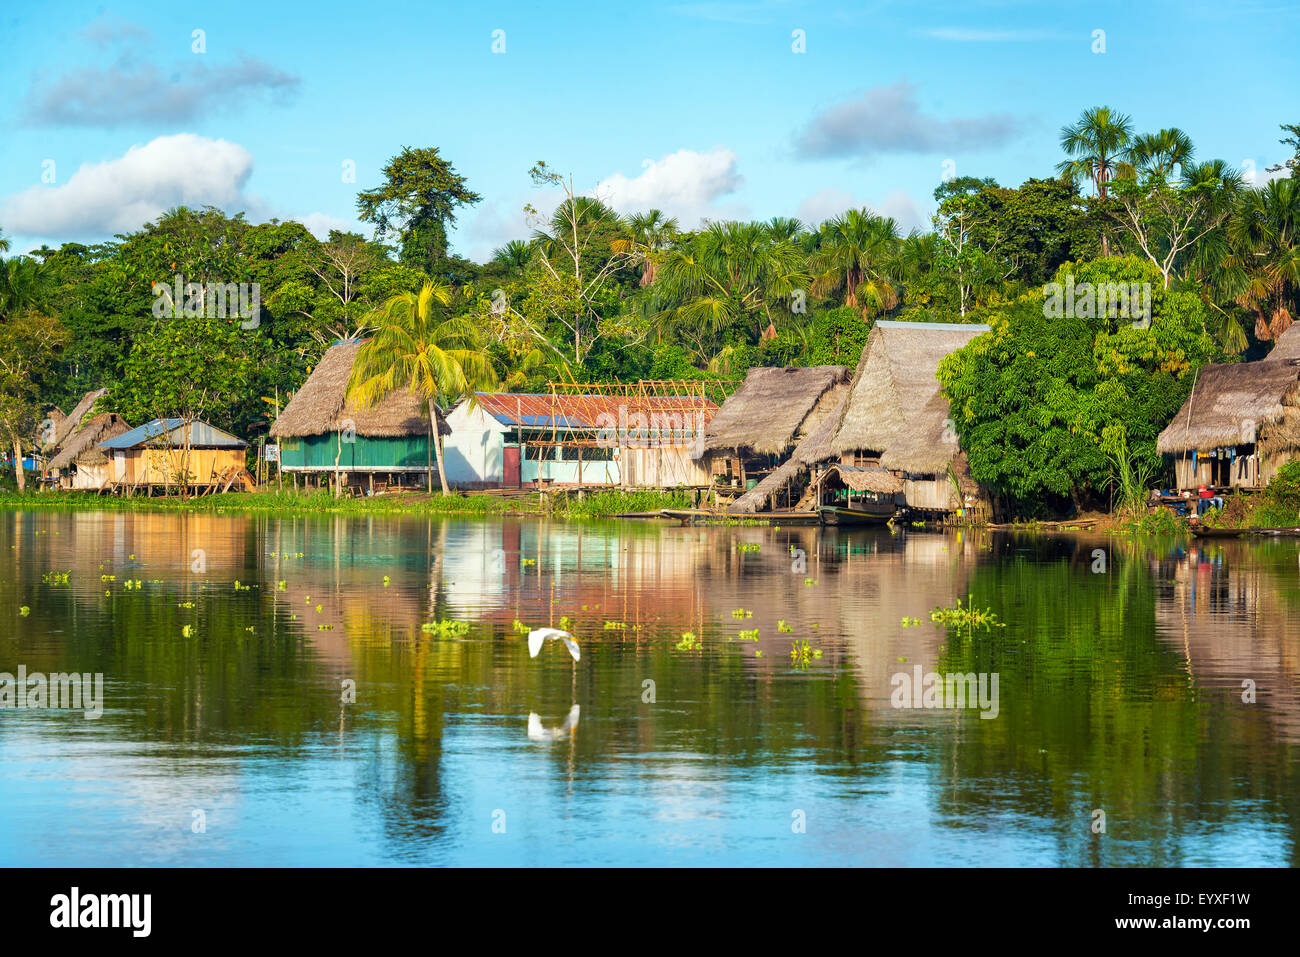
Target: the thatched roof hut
(1287, 345)
(1234, 404)
(768, 412)
(818, 428)
(896, 407)
(82, 447)
(863, 478)
(66, 425)
(321, 405)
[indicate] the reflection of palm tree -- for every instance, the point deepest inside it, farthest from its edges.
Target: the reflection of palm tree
(415, 348)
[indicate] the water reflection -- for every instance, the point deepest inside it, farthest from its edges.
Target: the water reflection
(273, 674)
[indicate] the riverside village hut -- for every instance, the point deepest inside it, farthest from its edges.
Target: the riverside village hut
(165, 452)
(885, 435)
(896, 417)
(1239, 425)
(634, 436)
(762, 421)
(57, 427)
(81, 463)
(322, 434)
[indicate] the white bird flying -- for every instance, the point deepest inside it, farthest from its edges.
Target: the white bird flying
(538, 733)
(539, 635)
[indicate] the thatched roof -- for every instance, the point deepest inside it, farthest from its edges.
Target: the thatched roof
(81, 446)
(759, 496)
(766, 413)
(896, 399)
(867, 478)
(1287, 345)
(817, 429)
(320, 407)
(64, 426)
(1230, 405)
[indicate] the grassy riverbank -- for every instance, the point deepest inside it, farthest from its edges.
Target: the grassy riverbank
(592, 505)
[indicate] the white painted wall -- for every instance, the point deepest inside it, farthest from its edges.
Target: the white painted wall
(472, 453)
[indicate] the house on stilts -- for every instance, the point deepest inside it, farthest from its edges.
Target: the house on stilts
(325, 438)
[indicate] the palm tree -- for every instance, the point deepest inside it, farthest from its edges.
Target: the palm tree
(415, 347)
(728, 273)
(514, 256)
(1155, 155)
(24, 285)
(1100, 143)
(1101, 146)
(652, 231)
(858, 254)
(1265, 254)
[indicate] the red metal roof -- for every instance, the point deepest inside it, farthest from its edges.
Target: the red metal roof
(581, 412)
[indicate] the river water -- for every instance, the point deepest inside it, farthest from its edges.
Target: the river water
(269, 696)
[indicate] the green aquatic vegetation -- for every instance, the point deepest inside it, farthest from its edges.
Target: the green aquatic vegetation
(281, 585)
(781, 626)
(565, 622)
(444, 629)
(741, 613)
(181, 604)
(108, 578)
(519, 627)
(56, 578)
(758, 653)
(749, 547)
(239, 586)
(802, 654)
(24, 611)
(318, 609)
(187, 631)
(527, 561)
(387, 581)
(967, 616)
(614, 626)
(689, 642)
(750, 635)
(133, 585)
(910, 622)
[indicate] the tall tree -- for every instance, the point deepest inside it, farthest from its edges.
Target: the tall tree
(415, 346)
(1099, 145)
(417, 202)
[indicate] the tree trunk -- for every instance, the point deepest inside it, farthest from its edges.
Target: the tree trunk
(18, 465)
(437, 448)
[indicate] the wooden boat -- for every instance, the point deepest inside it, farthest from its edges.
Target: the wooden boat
(836, 515)
(1202, 531)
(691, 516)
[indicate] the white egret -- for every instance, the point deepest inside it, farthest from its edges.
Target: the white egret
(538, 733)
(538, 635)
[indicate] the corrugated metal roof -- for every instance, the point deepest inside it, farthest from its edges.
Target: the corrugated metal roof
(537, 410)
(201, 436)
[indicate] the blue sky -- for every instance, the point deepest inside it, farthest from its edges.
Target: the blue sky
(703, 109)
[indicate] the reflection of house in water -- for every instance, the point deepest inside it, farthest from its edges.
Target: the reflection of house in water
(1225, 615)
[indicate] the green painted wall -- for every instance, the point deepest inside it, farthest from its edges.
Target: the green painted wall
(362, 453)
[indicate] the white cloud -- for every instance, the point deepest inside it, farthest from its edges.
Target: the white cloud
(320, 224)
(686, 184)
(123, 194)
(830, 202)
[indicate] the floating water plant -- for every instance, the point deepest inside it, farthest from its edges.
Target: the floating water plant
(445, 628)
(967, 616)
(751, 635)
(520, 627)
(689, 642)
(614, 626)
(56, 578)
(185, 604)
(280, 585)
(24, 611)
(386, 581)
(810, 581)
(187, 631)
(782, 627)
(741, 613)
(527, 561)
(749, 547)
(910, 622)
(759, 653)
